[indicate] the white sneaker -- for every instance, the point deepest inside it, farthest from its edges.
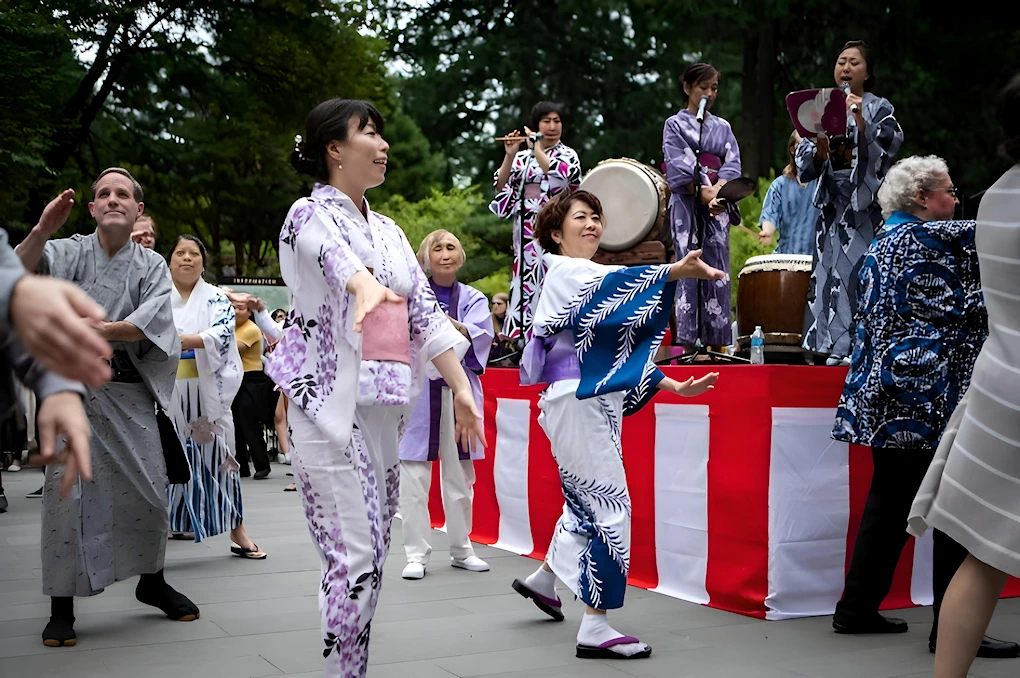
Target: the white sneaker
(413, 571)
(283, 459)
(471, 563)
(14, 467)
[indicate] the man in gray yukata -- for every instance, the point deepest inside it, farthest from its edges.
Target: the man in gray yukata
(116, 526)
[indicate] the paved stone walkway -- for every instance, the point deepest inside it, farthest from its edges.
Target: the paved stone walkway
(260, 618)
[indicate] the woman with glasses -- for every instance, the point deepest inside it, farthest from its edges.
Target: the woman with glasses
(789, 207)
(921, 322)
(849, 171)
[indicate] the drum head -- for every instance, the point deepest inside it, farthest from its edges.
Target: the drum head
(629, 199)
(737, 189)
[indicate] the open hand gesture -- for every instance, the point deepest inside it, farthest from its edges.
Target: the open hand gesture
(691, 266)
(369, 293)
(691, 387)
(55, 213)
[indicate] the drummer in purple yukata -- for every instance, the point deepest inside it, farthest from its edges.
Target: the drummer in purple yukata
(429, 436)
(702, 306)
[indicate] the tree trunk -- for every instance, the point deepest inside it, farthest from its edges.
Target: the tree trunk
(765, 103)
(750, 128)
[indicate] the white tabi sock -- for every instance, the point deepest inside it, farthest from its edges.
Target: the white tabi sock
(595, 630)
(542, 582)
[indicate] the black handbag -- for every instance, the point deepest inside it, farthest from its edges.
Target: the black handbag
(178, 471)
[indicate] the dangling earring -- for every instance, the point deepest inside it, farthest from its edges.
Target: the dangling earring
(339, 166)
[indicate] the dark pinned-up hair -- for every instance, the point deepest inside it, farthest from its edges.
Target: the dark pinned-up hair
(542, 109)
(197, 241)
(869, 60)
(137, 187)
(696, 73)
(551, 216)
(1009, 118)
(330, 121)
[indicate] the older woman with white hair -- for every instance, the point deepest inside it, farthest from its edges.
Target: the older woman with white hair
(921, 322)
(429, 436)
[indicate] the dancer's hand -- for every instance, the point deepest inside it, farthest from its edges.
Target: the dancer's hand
(56, 321)
(691, 266)
(369, 293)
(691, 387)
(63, 414)
(55, 213)
(716, 207)
(467, 419)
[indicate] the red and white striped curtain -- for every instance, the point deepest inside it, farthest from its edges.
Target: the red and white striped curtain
(741, 500)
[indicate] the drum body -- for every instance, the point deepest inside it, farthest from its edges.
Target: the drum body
(634, 198)
(772, 292)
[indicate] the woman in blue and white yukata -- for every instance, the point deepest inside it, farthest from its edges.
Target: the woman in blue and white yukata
(596, 329)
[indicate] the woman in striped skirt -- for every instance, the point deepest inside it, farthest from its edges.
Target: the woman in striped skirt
(972, 489)
(208, 377)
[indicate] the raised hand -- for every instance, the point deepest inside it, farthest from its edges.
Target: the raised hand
(56, 212)
(691, 266)
(512, 142)
(822, 147)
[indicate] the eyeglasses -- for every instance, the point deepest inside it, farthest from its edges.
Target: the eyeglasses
(952, 190)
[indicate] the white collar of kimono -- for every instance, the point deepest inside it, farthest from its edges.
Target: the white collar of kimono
(332, 194)
(377, 247)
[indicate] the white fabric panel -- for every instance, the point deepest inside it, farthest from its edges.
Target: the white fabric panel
(921, 574)
(681, 500)
(510, 474)
(809, 512)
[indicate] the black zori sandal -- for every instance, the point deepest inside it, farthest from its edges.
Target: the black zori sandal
(250, 554)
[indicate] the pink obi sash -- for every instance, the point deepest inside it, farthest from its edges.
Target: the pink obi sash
(385, 334)
(384, 377)
(532, 191)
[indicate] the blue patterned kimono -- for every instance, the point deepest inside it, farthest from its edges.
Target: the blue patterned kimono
(850, 217)
(920, 326)
(596, 330)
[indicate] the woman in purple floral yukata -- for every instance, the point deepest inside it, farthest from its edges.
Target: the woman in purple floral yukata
(354, 351)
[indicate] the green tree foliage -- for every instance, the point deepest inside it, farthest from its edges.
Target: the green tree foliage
(200, 99)
(464, 213)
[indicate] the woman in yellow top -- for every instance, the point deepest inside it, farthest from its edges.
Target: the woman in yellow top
(253, 399)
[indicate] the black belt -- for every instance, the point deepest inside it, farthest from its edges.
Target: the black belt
(124, 371)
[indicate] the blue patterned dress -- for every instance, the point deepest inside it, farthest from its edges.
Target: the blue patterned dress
(920, 325)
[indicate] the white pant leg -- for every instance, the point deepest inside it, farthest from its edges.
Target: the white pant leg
(415, 481)
(458, 483)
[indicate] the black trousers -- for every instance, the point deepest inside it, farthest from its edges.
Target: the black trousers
(882, 536)
(250, 442)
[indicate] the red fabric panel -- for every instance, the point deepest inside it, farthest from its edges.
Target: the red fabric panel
(638, 439)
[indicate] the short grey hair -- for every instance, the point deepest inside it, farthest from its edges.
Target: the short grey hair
(906, 178)
(139, 197)
(430, 241)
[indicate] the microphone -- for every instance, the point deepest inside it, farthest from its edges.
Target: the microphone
(701, 109)
(535, 137)
(846, 90)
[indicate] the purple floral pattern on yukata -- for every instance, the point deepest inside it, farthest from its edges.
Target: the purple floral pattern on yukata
(327, 349)
(384, 382)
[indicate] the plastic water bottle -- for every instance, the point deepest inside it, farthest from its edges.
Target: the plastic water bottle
(758, 346)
